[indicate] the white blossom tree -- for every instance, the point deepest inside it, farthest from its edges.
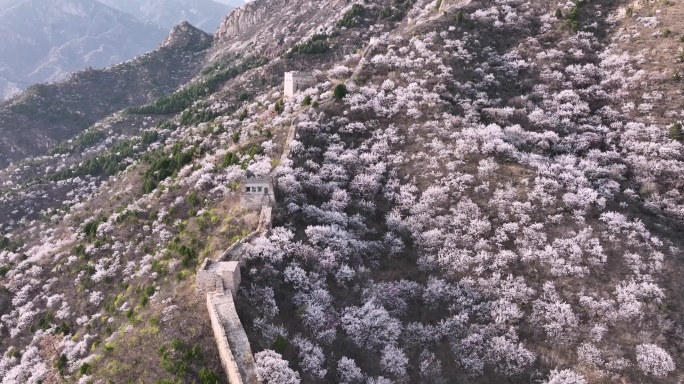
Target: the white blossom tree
(653, 360)
(565, 376)
(272, 369)
(348, 371)
(370, 326)
(393, 361)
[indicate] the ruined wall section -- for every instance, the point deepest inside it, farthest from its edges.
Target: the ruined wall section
(230, 335)
(215, 304)
(220, 281)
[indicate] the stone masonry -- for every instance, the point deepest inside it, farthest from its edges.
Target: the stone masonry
(297, 81)
(217, 276)
(257, 192)
(219, 309)
(219, 281)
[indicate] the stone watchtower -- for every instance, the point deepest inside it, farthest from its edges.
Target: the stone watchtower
(298, 81)
(256, 190)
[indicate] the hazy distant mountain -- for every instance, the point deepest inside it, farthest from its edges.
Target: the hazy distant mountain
(45, 114)
(42, 41)
(203, 14)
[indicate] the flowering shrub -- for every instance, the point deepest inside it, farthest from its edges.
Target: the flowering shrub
(271, 368)
(653, 360)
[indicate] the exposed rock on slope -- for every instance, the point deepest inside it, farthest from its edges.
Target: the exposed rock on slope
(186, 35)
(267, 27)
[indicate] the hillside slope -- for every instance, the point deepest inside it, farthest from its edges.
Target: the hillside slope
(476, 192)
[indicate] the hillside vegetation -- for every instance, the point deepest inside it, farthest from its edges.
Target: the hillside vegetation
(476, 192)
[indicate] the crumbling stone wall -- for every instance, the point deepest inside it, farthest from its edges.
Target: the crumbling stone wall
(236, 354)
(217, 276)
(219, 281)
(228, 361)
(206, 281)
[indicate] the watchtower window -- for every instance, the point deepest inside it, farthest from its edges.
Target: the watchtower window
(265, 190)
(259, 189)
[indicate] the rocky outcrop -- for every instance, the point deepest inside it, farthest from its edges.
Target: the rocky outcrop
(269, 27)
(186, 35)
(245, 18)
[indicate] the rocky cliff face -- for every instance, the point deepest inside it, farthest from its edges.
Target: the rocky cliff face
(242, 19)
(267, 27)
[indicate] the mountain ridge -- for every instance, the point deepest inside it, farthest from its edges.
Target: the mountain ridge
(131, 83)
(80, 34)
(75, 34)
(203, 14)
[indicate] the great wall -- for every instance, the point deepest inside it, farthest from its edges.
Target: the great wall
(219, 280)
